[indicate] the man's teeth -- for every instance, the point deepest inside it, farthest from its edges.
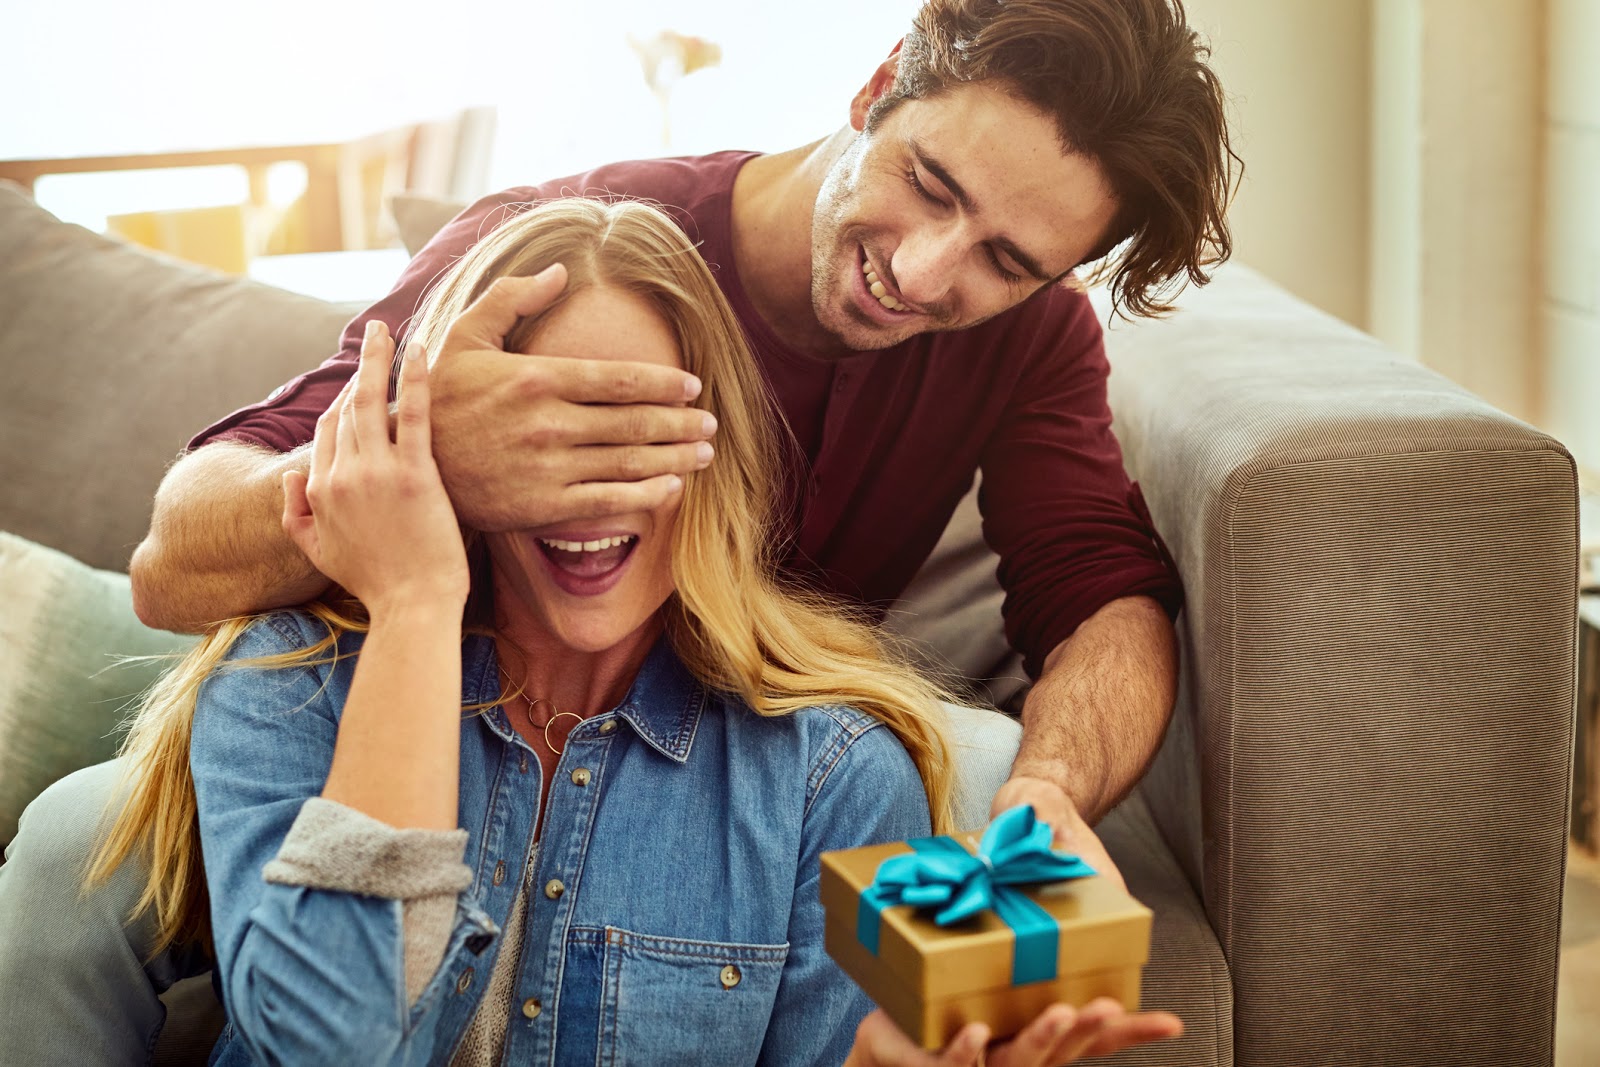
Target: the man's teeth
(877, 289)
(588, 546)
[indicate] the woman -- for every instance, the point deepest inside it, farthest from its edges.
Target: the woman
(612, 853)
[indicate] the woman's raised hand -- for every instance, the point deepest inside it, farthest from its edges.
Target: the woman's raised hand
(373, 514)
(1060, 1034)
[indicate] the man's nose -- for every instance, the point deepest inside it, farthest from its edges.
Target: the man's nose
(926, 262)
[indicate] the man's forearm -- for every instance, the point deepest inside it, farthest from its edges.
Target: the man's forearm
(216, 546)
(1094, 719)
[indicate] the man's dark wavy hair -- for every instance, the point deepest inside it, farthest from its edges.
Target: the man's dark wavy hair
(1127, 84)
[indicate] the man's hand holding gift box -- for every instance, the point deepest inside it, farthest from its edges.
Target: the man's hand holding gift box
(961, 939)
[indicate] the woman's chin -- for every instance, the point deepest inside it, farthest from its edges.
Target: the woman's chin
(599, 634)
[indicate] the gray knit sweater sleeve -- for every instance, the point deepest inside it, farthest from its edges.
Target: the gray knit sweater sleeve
(337, 848)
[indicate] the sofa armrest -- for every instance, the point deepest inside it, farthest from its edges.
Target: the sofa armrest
(1367, 773)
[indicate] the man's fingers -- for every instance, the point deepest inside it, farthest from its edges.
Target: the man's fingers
(491, 316)
(617, 381)
(635, 424)
(601, 499)
(635, 463)
(413, 434)
(369, 403)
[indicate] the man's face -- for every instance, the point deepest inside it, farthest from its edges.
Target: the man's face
(948, 212)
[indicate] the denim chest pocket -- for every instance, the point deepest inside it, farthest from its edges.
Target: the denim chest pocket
(671, 1001)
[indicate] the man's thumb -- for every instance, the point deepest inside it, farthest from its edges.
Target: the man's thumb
(506, 300)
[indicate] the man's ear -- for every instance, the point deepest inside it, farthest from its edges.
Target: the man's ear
(880, 82)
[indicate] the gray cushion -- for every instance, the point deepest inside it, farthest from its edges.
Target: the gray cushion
(112, 358)
(63, 686)
(419, 217)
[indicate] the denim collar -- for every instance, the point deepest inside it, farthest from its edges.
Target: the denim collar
(663, 705)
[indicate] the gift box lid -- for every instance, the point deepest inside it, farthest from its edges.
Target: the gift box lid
(1101, 926)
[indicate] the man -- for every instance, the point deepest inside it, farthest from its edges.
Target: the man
(905, 285)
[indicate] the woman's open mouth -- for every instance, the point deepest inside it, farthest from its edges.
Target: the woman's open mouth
(587, 568)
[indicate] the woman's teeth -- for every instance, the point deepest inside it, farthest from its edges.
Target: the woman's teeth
(877, 289)
(588, 546)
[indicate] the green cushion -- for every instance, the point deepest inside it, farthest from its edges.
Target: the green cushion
(63, 690)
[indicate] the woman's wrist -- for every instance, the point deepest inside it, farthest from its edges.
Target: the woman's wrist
(421, 605)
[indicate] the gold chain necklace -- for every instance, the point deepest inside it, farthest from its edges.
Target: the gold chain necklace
(555, 713)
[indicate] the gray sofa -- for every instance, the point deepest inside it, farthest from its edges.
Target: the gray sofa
(1353, 837)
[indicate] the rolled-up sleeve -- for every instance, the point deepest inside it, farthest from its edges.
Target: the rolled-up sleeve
(1071, 531)
(313, 905)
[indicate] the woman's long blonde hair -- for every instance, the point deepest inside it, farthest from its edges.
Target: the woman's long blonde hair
(731, 621)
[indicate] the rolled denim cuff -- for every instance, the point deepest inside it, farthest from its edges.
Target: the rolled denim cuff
(335, 847)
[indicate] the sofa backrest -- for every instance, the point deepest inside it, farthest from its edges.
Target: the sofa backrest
(112, 358)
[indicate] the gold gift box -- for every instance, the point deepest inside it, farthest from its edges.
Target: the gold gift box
(933, 980)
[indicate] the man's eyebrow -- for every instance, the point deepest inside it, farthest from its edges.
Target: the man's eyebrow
(1005, 244)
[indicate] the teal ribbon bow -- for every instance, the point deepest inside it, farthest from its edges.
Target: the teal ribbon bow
(939, 873)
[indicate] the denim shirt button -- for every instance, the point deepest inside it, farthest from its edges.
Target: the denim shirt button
(531, 1007)
(500, 872)
(465, 981)
(580, 776)
(522, 764)
(609, 726)
(730, 976)
(553, 888)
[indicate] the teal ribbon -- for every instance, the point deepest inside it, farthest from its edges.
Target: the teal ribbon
(939, 873)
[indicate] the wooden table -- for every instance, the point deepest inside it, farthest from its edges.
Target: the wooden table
(345, 181)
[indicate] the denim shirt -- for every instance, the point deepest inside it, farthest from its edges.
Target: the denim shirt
(674, 914)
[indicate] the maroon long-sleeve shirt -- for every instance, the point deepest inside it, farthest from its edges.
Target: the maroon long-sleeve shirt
(890, 439)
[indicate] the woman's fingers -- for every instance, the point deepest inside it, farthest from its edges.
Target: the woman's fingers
(1138, 1029)
(412, 432)
(966, 1047)
(344, 429)
(880, 1043)
(325, 445)
(1074, 1039)
(369, 403)
(298, 521)
(1043, 1042)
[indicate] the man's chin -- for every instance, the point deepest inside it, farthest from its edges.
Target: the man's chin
(858, 333)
